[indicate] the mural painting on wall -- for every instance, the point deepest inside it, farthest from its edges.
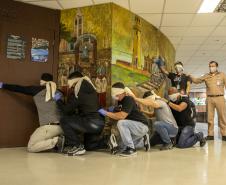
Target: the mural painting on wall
(135, 43)
(86, 46)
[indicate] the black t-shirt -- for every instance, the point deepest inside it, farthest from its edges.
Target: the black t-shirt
(179, 81)
(129, 106)
(183, 118)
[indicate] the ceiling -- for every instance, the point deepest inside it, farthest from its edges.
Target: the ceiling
(197, 38)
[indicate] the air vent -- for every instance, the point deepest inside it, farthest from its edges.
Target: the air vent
(221, 7)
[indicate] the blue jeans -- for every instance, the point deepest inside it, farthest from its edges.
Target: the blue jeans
(165, 130)
(131, 132)
(188, 138)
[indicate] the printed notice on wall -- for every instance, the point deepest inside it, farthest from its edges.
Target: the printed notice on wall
(39, 50)
(15, 47)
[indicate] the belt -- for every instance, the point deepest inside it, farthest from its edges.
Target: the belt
(54, 124)
(215, 95)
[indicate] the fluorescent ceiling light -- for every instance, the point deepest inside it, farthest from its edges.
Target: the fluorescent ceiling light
(208, 6)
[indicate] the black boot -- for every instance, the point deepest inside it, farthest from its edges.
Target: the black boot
(210, 138)
(201, 139)
(223, 138)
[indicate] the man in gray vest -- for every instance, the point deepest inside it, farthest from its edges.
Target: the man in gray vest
(49, 134)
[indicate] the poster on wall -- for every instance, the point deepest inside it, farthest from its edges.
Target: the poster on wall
(39, 50)
(15, 47)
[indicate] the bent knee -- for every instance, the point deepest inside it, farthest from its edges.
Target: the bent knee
(122, 123)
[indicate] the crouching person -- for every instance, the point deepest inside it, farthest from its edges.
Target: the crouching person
(49, 134)
(165, 126)
(132, 124)
(80, 117)
(182, 111)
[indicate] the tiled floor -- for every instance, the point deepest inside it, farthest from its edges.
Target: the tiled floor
(194, 166)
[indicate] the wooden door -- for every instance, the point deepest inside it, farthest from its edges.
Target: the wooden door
(18, 114)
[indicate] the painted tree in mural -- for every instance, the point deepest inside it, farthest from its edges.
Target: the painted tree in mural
(65, 33)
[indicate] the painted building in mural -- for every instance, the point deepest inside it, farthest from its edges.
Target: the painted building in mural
(109, 43)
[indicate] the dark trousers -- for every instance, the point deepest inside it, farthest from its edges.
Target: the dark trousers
(157, 140)
(187, 137)
(74, 126)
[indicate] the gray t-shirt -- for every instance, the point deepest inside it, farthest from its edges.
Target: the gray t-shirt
(164, 113)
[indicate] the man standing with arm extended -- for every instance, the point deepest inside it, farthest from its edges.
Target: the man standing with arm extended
(179, 80)
(215, 85)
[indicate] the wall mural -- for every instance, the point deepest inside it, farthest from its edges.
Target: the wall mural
(108, 43)
(134, 44)
(86, 46)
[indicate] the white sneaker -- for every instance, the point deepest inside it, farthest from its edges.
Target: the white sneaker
(75, 151)
(113, 145)
(147, 142)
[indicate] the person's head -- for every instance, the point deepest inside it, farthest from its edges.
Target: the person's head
(213, 65)
(118, 91)
(179, 67)
(173, 94)
(45, 77)
(148, 94)
(73, 78)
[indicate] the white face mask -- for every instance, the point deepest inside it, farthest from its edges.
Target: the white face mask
(179, 68)
(116, 98)
(173, 97)
(213, 69)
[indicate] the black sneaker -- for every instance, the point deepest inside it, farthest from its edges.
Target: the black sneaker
(147, 145)
(75, 151)
(223, 138)
(128, 152)
(202, 139)
(60, 144)
(202, 142)
(113, 145)
(210, 138)
(167, 146)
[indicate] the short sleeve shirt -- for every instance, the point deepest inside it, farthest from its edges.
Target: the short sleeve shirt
(129, 106)
(179, 81)
(183, 118)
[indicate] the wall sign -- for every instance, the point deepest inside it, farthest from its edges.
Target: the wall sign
(15, 47)
(39, 50)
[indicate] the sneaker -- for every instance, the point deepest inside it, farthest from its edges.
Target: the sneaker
(167, 146)
(174, 141)
(210, 138)
(75, 151)
(66, 149)
(113, 145)
(202, 139)
(60, 144)
(128, 152)
(202, 142)
(147, 145)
